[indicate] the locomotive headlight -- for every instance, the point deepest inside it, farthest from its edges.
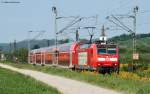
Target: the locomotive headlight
(113, 59)
(101, 59)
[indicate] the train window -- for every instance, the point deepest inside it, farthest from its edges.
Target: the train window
(101, 51)
(111, 51)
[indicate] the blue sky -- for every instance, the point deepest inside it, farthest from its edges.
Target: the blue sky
(36, 15)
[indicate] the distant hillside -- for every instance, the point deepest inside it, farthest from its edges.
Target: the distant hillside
(34, 44)
(142, 41)
(4, 46)
(24, 44)
(124, 40)
(125, 37)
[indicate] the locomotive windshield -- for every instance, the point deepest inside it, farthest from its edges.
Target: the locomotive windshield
(111, 51)
(101, 51)
(106, 49)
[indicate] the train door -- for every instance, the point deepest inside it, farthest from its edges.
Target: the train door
(82, 59)
(71, 63)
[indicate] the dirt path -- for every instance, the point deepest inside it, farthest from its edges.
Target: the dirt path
(64, 85)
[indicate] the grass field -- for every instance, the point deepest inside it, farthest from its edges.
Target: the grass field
(15, 83)
(126, 84)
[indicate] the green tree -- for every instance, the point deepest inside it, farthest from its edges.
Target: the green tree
(63, 41)
(36, 46)
(21, 55)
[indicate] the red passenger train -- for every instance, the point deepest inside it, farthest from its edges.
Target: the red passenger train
(82, 56)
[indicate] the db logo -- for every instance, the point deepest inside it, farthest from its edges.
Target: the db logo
(107, 58)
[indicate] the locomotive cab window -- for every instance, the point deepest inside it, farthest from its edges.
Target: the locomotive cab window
(111, 51)
(101, 51)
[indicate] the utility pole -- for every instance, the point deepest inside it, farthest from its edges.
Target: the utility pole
(54, 9)
(29, 46)
(15, 45)
(103, 37)
(10, 47)
(77, 35)
(135, 54)
(48, 43)
(15, 53)
(135, 20)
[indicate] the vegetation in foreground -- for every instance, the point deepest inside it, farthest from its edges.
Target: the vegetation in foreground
(129, 83)
(15, 83)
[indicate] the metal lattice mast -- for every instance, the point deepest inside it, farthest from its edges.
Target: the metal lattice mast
(134, 36)
(54, 9)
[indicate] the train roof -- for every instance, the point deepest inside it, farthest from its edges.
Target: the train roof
(61, 47)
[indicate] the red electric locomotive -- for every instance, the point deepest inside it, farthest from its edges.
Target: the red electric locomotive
(99, 57)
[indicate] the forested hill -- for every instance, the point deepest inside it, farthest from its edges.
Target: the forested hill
(34, 44)
(123, 40)
(24, 44)
(125, 37)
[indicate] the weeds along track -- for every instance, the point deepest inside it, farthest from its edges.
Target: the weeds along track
(64, 85)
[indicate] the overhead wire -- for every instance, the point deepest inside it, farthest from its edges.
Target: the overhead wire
(144, 11)
(121, 5)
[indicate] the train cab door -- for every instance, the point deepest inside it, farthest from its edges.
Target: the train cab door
(70, 65)
(90, 57)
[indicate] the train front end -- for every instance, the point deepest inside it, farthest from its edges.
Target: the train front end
(107, 58)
